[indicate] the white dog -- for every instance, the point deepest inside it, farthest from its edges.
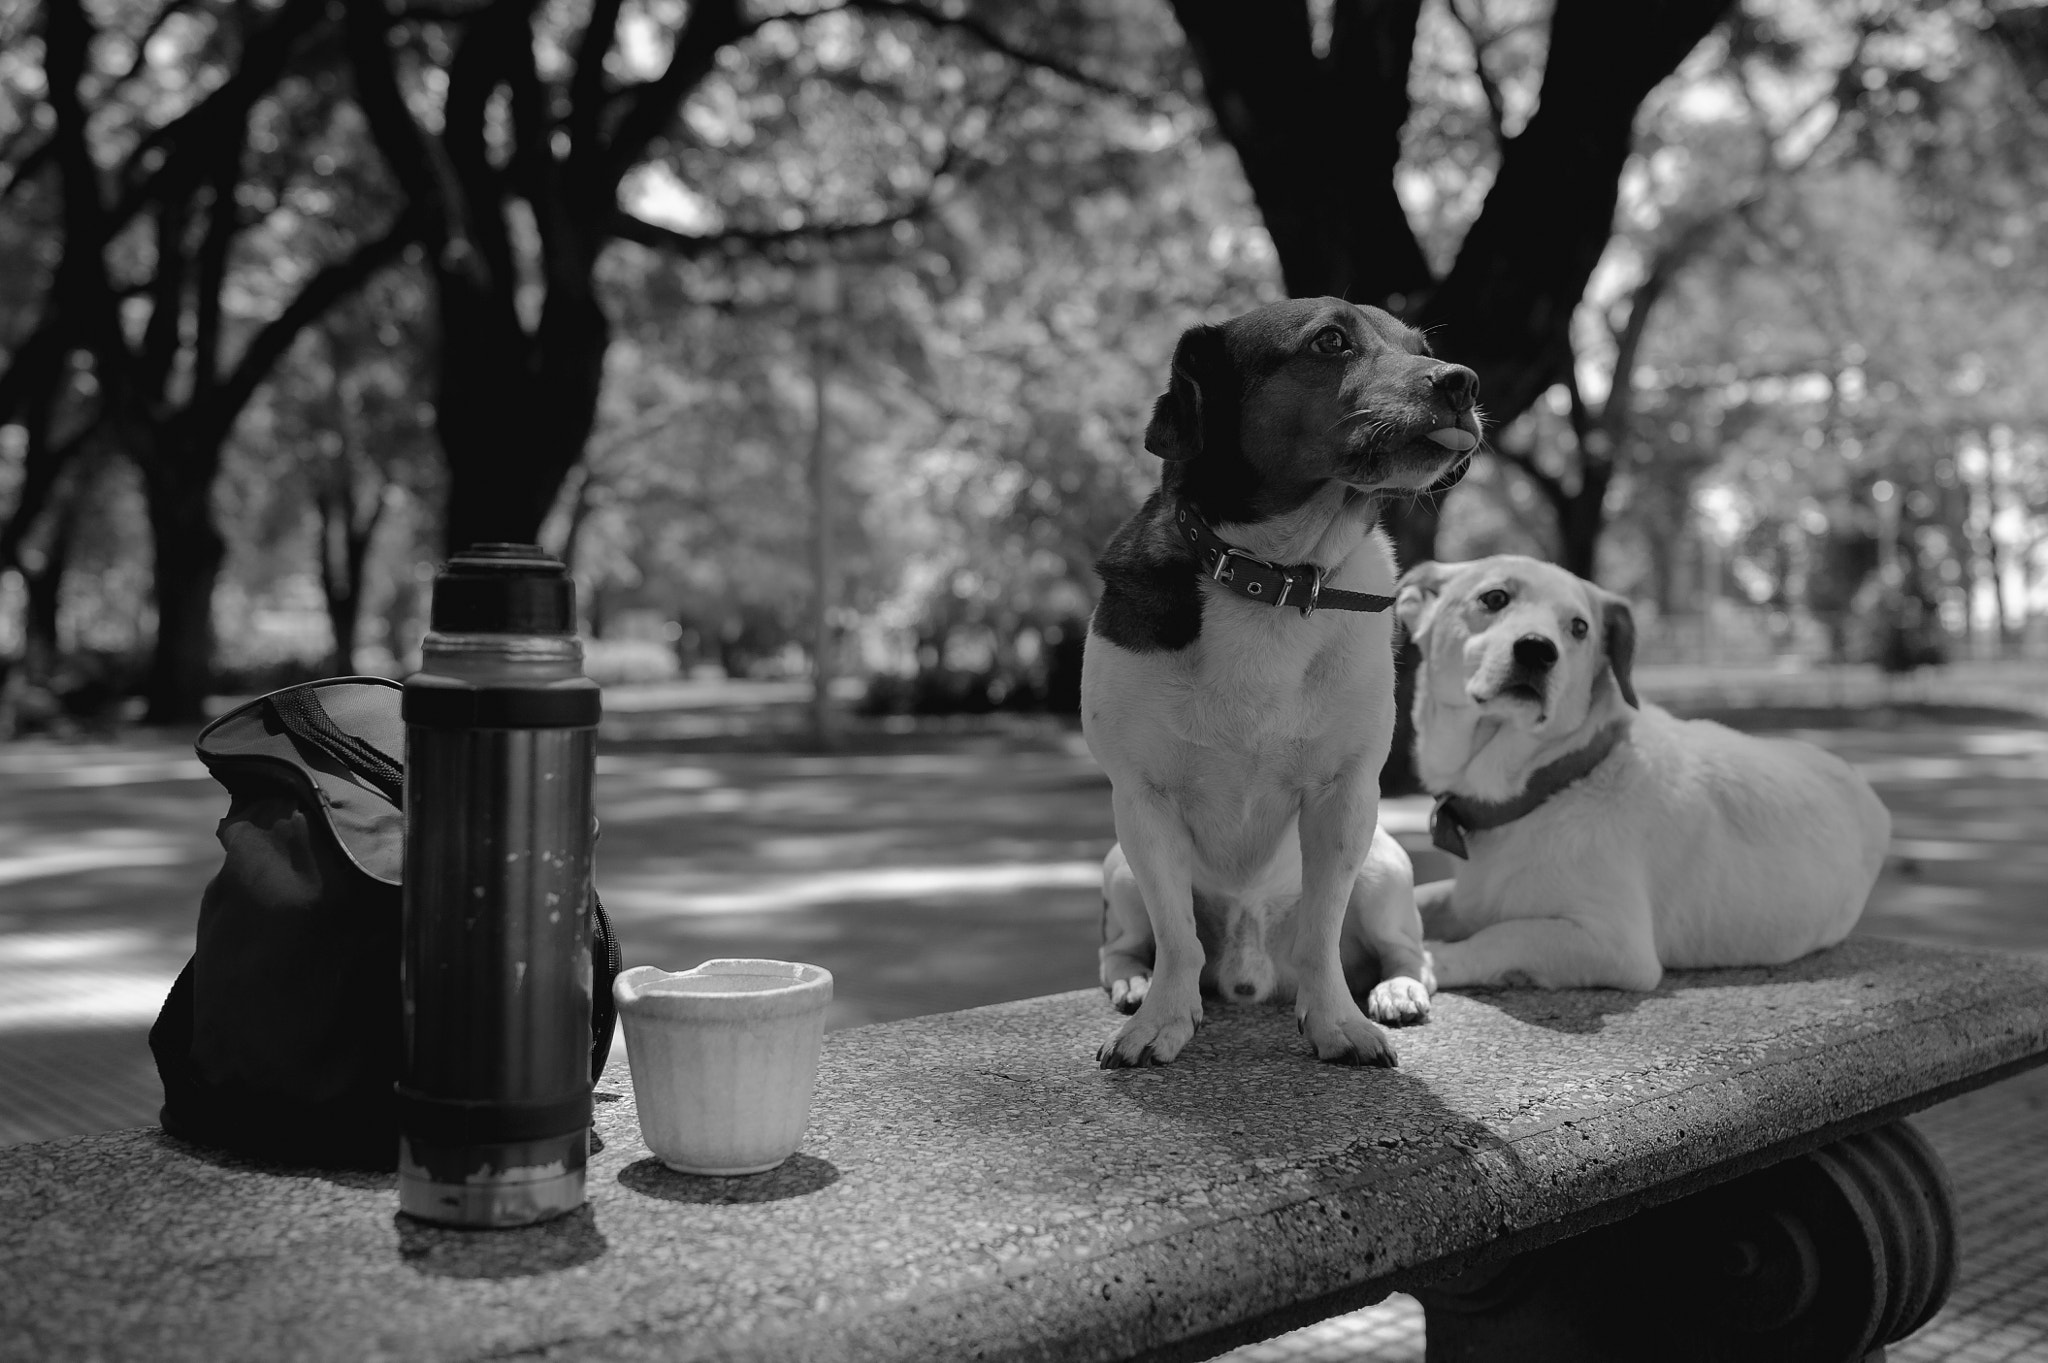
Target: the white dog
(1605, 840)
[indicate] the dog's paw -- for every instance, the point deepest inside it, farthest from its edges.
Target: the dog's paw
(1125, 995)
(1345, 1036)
(1153, 1036)
(1398, 1001)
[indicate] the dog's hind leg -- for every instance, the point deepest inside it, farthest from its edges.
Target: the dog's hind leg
(1383, 922)
(1437, 903)
(1614, 950)
(1338, 822)
(1160, 852)
(1126, 934)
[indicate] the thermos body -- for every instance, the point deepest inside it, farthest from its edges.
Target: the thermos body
(494, 1094)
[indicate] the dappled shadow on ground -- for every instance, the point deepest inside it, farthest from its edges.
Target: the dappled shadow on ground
(64, 1080)
(924, 881)
(928, 872)
(1585, 1011)
(1247, 1086)
(1575, 1011)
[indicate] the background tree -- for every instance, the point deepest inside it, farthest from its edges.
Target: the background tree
(184, 273)
(514, 139)
(1315, 102)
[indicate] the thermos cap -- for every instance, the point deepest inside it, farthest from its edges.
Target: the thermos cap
(497, 588)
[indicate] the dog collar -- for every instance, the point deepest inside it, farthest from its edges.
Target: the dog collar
(1457, 815)
(1272, 584)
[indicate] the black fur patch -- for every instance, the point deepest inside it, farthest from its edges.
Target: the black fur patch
(1151, 585)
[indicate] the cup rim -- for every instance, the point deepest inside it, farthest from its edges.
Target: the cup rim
(809, 986)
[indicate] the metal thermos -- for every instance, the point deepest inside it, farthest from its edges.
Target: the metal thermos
(500, 750)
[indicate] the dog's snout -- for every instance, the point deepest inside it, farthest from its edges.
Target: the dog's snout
(1456, 385)
(1535, 652)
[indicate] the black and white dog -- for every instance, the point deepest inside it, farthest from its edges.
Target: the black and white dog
(1238, 683)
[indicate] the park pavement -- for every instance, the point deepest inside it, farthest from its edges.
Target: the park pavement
(944, 868)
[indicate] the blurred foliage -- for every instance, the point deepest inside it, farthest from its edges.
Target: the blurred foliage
(1805, 376)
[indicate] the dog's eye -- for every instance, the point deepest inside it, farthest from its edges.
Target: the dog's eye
(1579, 628)
(1495, 600)
(1331, 341)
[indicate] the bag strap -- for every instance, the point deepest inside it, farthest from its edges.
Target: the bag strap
(605, 961)
(305, 718)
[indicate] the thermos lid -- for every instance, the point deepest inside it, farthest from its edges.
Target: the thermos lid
(504, 589)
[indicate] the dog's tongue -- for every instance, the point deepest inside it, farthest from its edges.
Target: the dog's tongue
(1452, 438)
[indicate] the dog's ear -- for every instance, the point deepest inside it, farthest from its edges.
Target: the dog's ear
(1619, 638)
(1194, 392)
(1415, 599)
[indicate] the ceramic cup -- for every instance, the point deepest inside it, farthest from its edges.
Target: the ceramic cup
(724, 1060)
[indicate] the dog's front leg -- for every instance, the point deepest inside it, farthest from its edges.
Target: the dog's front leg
(1155, 841)
(1337, 824)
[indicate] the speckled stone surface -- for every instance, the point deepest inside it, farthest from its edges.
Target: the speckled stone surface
(972, 1186)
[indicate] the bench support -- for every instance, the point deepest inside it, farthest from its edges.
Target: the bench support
(1823, 1258)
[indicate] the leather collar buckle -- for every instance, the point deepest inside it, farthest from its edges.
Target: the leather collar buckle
(1222, 572)
(1315, 591)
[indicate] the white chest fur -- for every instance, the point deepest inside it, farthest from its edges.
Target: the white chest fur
(1262, 707)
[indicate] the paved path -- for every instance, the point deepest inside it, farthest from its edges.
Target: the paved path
(929, 880)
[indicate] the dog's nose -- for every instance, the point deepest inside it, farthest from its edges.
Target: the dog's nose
(1535, 652)
(1457, 385)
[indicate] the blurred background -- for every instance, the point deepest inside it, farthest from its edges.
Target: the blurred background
(819, 336)
(819, 340)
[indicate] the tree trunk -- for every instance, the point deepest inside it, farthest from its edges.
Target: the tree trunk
(1582, 519)
(44, 586)
(1318, 137)
(823, 728)
(514, 409)
(344, 556)
(1413, 532)
(1994, 561)
(188, 556)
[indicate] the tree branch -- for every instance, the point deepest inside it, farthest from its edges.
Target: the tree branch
(35, 363)
(440, 11)
(587, 96)
(985, 34)
(1496, 105)
(81, 292)
(533, 161)
(712, 24)
(484, 58)
(698, 245)
(223, 223)
(1672, 257)
(188, 141)
(414, 156)
(1506, 306)
(163, 333)
(33, 159)
(1318, 138)
(333, 283)
(1551, 486)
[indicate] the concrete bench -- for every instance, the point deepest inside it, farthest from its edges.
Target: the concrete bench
(973, 1187)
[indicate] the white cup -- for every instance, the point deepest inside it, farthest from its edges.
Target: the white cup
(724, 1060)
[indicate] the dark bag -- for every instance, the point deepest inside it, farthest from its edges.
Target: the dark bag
(282, 1036)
